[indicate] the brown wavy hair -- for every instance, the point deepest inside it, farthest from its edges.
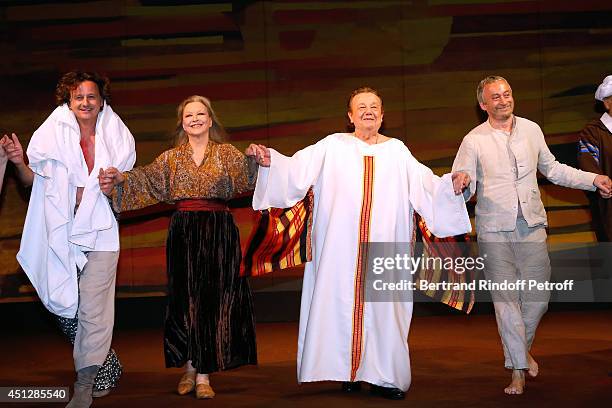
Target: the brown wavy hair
(70, 80)
(216, 133)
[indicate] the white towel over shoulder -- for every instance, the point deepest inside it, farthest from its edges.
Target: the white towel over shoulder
(55, 239)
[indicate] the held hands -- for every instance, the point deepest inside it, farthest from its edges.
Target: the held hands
(108, 179)
(604, 185)
(261, 154)
(11, 148)
(461, 181)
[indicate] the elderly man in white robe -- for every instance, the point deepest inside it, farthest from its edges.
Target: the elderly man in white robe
(70, 224)
(366, 188)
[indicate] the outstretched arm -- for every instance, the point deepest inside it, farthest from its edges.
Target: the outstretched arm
(14, 152)
(282, 181)
(137, 188)
(437, 199)
(560, 173)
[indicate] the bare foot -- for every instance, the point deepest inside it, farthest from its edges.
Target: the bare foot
(517, 385)
(533, 366)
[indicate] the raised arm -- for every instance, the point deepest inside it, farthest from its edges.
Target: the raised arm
(14, 152)
(283, 181)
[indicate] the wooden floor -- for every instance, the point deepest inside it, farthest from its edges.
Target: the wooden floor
(456, 361)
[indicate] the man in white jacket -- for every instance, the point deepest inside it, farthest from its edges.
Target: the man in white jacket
(70, 225)
(502, 156)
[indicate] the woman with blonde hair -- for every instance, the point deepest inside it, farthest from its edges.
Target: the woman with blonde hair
(209, 321)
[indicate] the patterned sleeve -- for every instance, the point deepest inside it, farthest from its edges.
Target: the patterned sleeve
(588, 150)
(241, 169)
(144, 185)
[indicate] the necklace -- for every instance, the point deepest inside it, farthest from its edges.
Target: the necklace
(375, 140)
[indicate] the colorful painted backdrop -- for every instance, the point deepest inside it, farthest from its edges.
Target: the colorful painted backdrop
(278, 73)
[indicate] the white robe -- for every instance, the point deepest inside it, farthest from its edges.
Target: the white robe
(335, 168)
(54, 238)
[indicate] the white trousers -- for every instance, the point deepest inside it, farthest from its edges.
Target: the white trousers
(96, 309)
(519, 255)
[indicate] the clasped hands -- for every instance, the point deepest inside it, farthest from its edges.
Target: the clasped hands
(604, 185)
(108, 179)
(461, 181)
(261, 154)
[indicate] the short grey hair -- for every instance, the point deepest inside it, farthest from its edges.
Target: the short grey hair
(486, 81)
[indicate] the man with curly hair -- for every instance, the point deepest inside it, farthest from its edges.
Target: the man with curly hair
(70, 242)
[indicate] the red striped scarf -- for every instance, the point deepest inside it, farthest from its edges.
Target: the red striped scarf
(282, 239)
(443, 248)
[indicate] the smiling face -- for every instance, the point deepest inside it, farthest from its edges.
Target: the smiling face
(497, 100)
(366, 112)
(196, 119)
(85, 101)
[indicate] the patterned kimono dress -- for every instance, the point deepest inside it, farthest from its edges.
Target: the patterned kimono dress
(209, 318)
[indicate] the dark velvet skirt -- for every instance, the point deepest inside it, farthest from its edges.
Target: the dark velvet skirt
(209, 318)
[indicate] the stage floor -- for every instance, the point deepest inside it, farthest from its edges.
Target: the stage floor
(456, 361)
